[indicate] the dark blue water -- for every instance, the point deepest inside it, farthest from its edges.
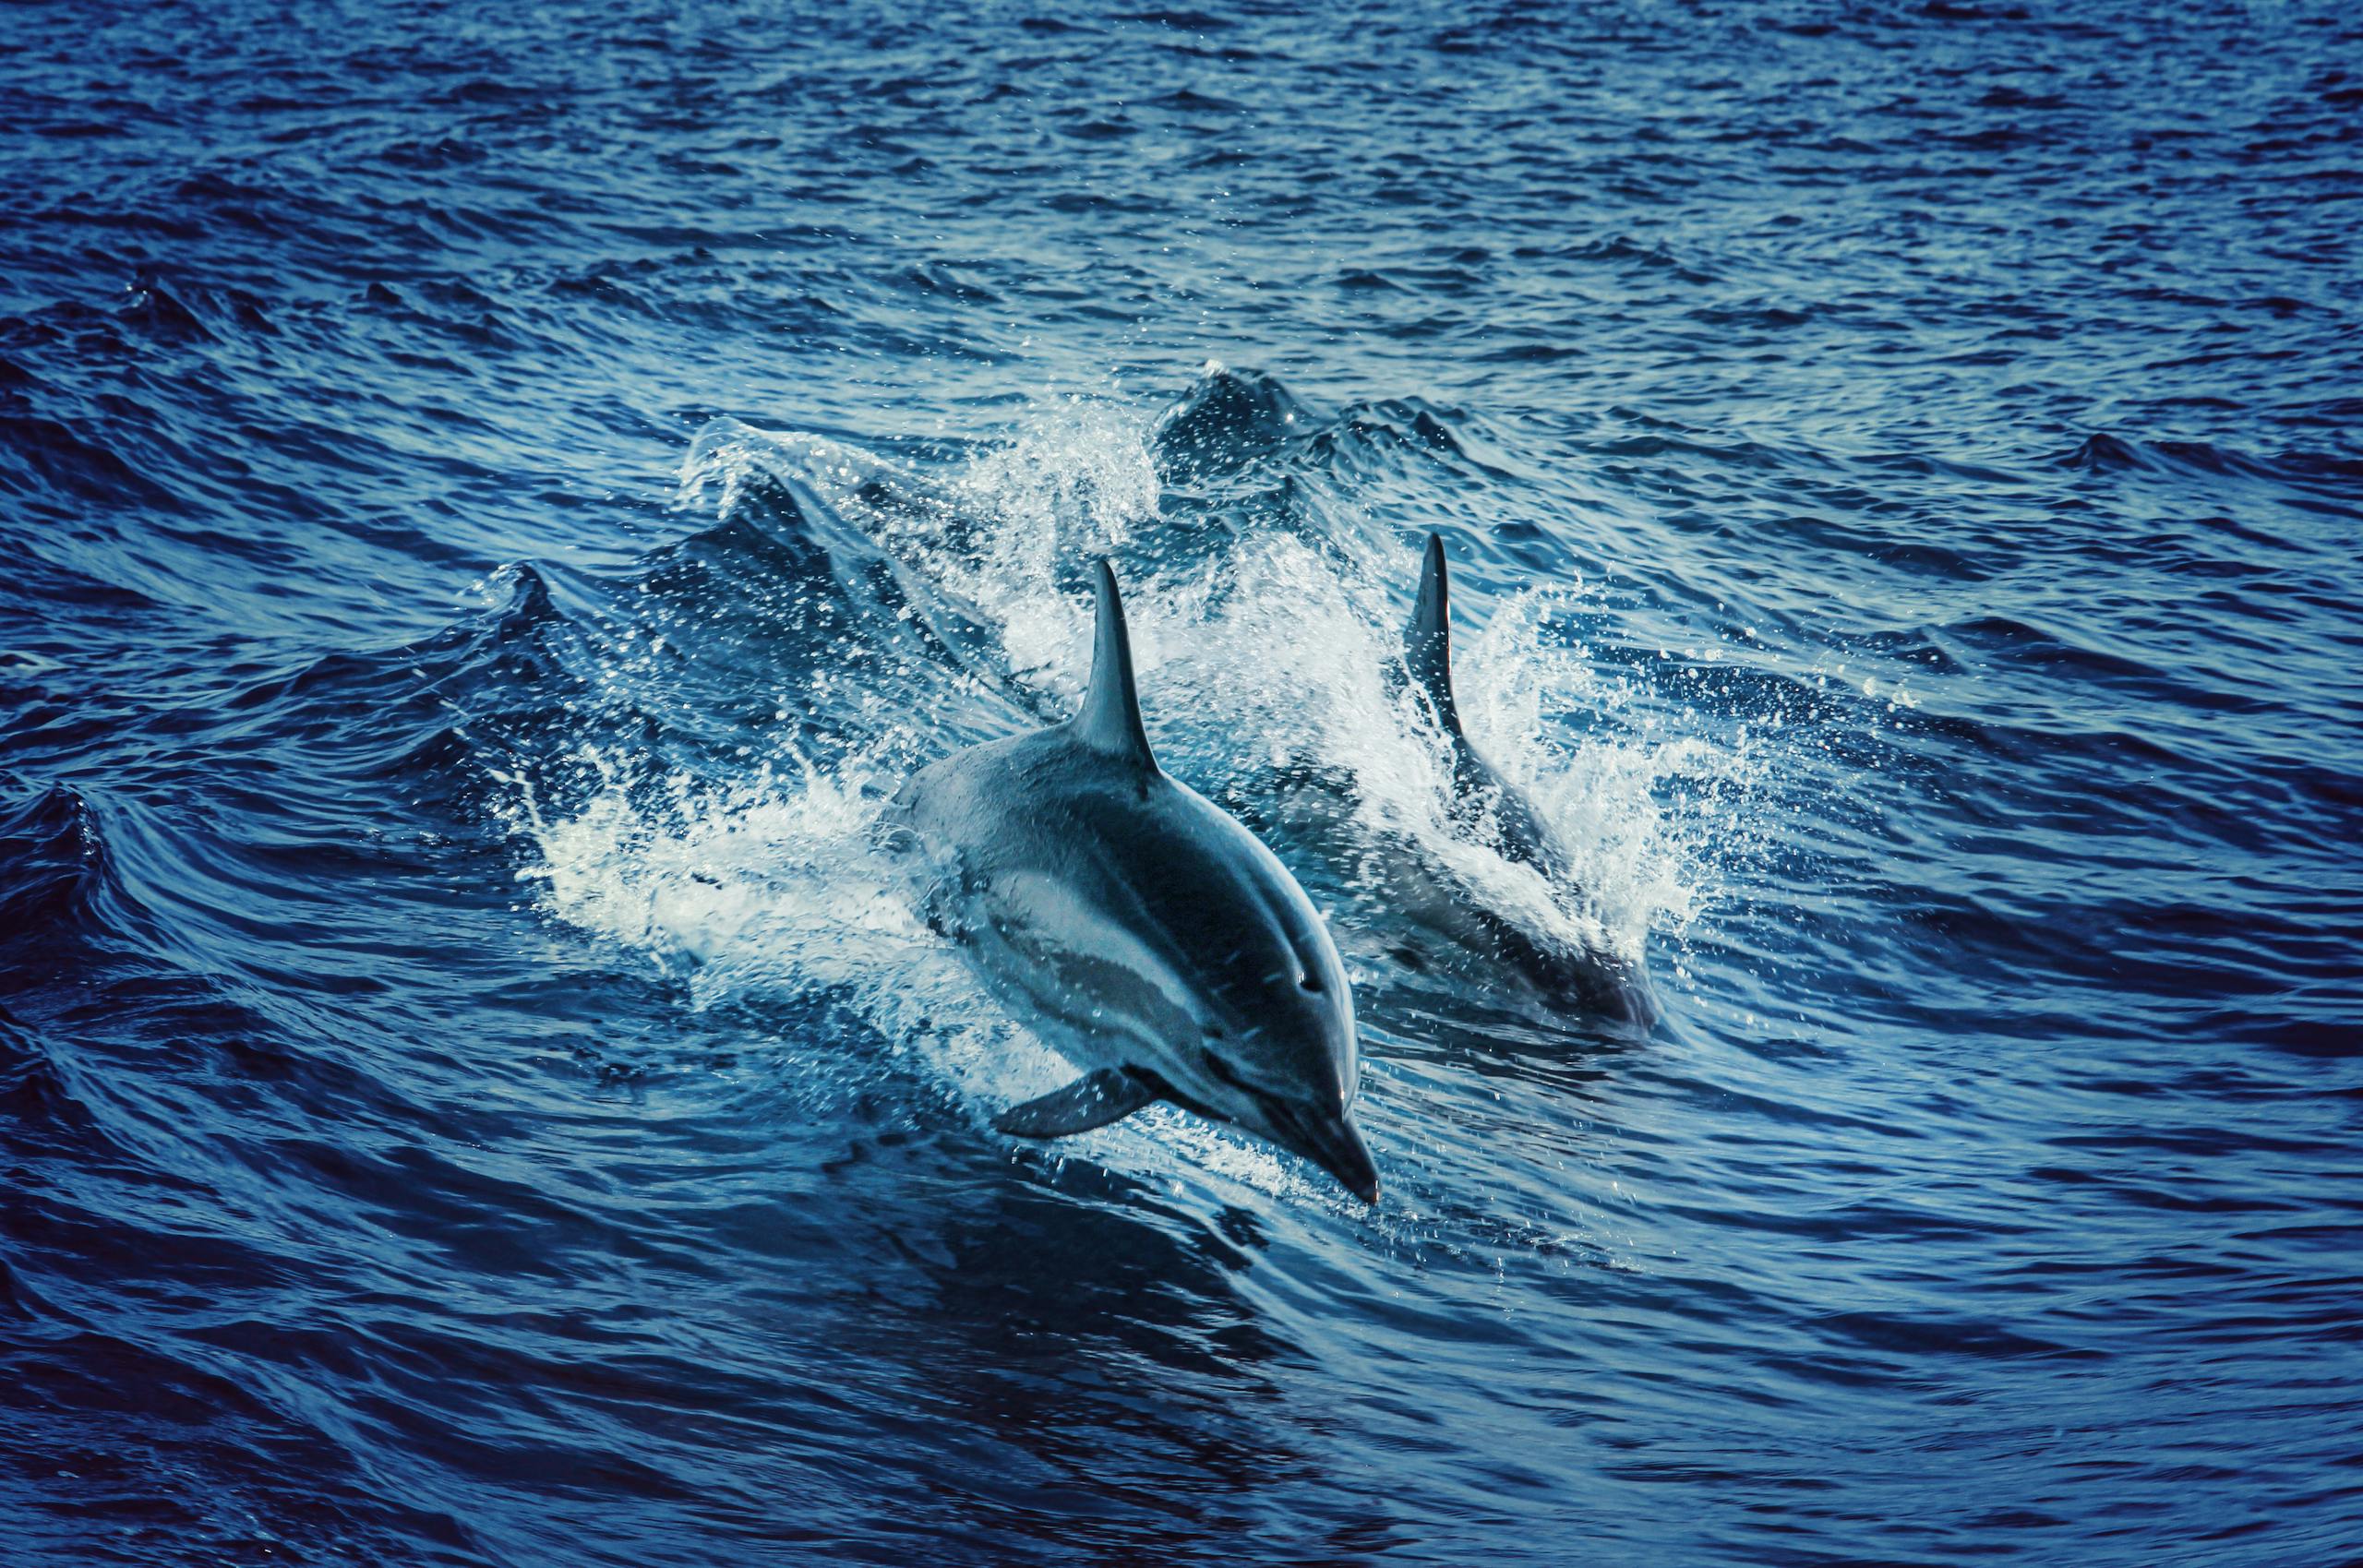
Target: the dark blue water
(491, 502)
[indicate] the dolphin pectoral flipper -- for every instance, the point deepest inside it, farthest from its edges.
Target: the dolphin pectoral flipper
(1094, 1100)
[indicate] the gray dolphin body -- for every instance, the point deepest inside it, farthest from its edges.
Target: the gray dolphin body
(1498, 812)
(1163, 947)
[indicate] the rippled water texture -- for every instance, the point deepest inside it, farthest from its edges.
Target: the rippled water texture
(493, 505)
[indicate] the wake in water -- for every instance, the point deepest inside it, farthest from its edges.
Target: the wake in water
(901, 608)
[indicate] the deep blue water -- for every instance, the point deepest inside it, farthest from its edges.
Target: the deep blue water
(492, 501)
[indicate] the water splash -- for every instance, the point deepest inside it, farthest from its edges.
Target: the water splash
(1274, 656)
(771, 881)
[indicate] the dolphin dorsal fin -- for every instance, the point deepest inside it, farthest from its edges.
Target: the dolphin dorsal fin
(1110, 719)
(1427, 643)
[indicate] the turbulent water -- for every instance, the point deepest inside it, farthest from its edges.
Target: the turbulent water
(494, 503)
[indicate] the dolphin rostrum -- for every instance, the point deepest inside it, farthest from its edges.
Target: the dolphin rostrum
(1166, 949)
(1496, 812)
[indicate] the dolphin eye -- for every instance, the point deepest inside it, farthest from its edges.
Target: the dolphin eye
(1311, 983)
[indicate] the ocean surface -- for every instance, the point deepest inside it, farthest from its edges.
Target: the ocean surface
(494, 498)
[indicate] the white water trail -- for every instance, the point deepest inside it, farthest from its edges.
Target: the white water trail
(1274, 651)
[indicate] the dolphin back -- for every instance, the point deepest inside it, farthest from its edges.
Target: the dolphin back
(1503, 816)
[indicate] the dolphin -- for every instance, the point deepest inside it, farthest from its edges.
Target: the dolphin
(1495, 813)
(1157, 944)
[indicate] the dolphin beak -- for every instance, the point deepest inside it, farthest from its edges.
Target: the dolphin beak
(1336, 1146)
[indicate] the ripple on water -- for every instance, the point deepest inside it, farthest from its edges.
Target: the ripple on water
(494, 510)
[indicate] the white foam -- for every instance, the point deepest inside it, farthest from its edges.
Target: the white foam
(766, 879)
(1274, 651)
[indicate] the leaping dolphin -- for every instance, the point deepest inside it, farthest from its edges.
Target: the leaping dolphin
(1495, 811)
(1167, 951)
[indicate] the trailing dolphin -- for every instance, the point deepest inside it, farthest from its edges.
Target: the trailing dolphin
(1162, 947)
(1493, 810)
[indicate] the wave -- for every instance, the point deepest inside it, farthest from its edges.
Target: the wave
(2103, 452)
(57, 880)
